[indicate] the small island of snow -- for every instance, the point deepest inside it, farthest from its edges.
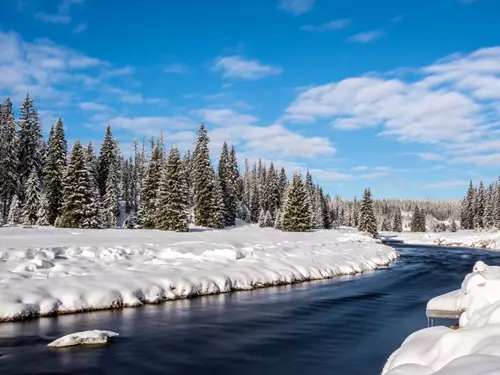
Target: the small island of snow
(94, 337)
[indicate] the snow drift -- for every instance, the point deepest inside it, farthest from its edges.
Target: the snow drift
(94, 337)
(473, 349)
(462, 238)
(48, 271)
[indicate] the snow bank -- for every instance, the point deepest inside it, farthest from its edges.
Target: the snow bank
(48, 271)
(83, 338)
(473, 349)
(462, 238)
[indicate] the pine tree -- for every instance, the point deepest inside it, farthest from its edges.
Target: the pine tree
(497, 206)
(397, 224)
(110, 201)
(282, 186)
(453, 226)
(479, 205)
(107, 160)
(418, 220)
(277, 220)
(150, 189)
(327, 221)
(367, 221)
(29, 143)
(262, 219)
(79, 208)
(31, 199)
(468, 211)
(172, 211)
(54, 170)
(385, 227)
(14, 217)
(8, 156)
(204, 182)
(43, 212)
(254, 198)
(489, 209)
(229, 184)
(297, 211)
(218, 208)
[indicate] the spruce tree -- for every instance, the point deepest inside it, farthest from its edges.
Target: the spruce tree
(218, 207)
(489, 209)
(110, 200)
(150, 189)
(282, 186)
(43, 212)
(496, 210)
(479, 206)
(14, 217)
(54, 170)
(277, 220)
(468, 211)
(228, 178)
(172, 211)
(397, 224)
(453, 226)
(204, 182)
(107, 160)
(297, 211)
(79, 207)
(367, 221)
(327, 221)
(31, 199)
(385, 227)
(8, 156)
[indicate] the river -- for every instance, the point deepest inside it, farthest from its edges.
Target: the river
(346, 325)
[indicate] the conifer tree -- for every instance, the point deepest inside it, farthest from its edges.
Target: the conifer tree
(453, 226)
(54, 170)
(229, 184)
(282, 186)
(110, 201)
(43, 212)
(14, 217)
(262, 218)
(187, 167)
(468, 210)
(8, 156)
(489, 209)
(218, 208)
(277, 220)
(31, 199)
(418, 220)
(496, 210)
(297, 211)
(367, 221)
(29, 143)
(107, 160)
(254, 200)
(327, 221)
(150, 189)
(479, 205)
(397, 224)
(172, 203)
(204, 182)
(79, 208)
(385, 227)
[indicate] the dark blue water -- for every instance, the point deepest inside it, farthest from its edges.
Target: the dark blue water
(339, 326)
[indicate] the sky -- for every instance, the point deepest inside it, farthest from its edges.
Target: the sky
(399, 96)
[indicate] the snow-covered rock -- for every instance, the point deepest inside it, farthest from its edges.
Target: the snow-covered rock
(83, 338)
(461, 238)
(473, 349)
(48, 271)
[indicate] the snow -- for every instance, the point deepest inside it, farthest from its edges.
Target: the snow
(83, 338)
(473, 349)
(461, 238)
(49, 271)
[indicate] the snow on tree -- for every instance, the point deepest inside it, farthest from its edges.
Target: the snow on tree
(131, 221)
(172, 210)
(262, 218)
(496, 212)
(468, 209)
(489, 209)
(43, 212)
(271, 193)
(479, 206)
(325, 211)
(8, 156)
(29, 137)
(254, 207)
(418, 220)
(110, 200)
(150, 189)
(397, 224)
(453, 226)
(107, 160)
(31, 199)
(139, 173)
(282, 185)
(79, 207)
(367, 221)
(218, 208)
(385, 227)
(229, 185)
(14, 217)
(297, 211)
(204, 182)
(277, 220)
(53, 170)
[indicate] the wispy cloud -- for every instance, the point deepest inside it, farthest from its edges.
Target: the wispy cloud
(366, 37)
(446, 184)
(93, 107)
(332, 25)
(297, 7)
(81, 27)
(239, 67)
(398, 18)
(176, 69)
(62, 16)
(429, 156)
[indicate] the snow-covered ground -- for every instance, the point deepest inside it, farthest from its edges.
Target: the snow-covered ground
(463, 238)
(473, 349)
(45, 271)
(95, 337)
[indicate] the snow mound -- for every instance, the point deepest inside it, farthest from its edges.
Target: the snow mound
(50, 271)
(461, 238)
(83, 338)
(473, 349)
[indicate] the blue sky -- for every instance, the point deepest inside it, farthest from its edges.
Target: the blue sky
(401, 96)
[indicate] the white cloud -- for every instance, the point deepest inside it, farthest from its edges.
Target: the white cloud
(360, 168)
(330, 175)
(482, 160)
(152, 125)
(93, 107)
(238, 67)
(374, 175)
(366, 37)
(428, 156)
(297, 7)
(176, 69)
(63, 13)
(332, 25)
(81, 27)
(446, 184)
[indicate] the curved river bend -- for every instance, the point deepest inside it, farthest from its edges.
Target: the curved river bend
(346, 325)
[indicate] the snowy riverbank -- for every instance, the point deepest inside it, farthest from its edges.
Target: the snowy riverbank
(473, 349)
(46, 271)
(462, 238)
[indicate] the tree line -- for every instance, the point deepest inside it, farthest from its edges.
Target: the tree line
(41, 183)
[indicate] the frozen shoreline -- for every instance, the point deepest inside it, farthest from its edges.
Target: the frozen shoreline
(48, 271)
(470, 350)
